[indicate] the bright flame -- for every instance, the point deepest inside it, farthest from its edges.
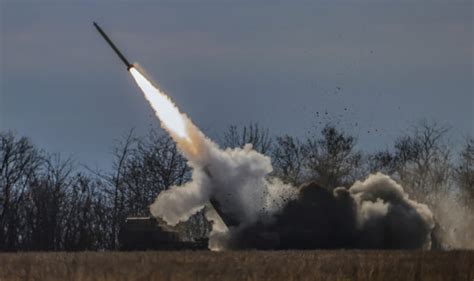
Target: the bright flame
(164, 108)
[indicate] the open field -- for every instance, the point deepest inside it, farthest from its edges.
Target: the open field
(241, 265)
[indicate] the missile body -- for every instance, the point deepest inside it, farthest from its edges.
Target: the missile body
(121, 56)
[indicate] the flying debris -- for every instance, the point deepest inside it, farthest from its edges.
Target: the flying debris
(117, 51)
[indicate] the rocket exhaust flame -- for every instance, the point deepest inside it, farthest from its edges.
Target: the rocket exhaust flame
(176, 124)
(164, 108)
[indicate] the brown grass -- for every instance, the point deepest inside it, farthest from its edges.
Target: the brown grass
(244, 265)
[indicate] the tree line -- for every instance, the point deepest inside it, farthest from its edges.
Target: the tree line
(49, 203)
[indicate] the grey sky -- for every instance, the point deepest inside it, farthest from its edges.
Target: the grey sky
(372, 65)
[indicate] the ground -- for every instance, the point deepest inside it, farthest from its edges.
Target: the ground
(240, 265)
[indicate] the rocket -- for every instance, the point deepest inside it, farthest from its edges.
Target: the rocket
(228, 219)
(117, 51)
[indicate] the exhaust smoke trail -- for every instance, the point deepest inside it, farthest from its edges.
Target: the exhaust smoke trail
(235, 178)
(164, 108)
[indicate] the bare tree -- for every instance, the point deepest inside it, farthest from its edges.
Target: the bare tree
(47, 198)
(423, 162)
(289, 157)
(46, 204)
(464, 172)
(382, 161)
(155, 165)
(114, 187)
(19, 161)
(332, 158)
(87, 216)
(253, 133)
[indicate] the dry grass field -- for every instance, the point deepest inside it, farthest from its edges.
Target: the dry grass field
(242, 265)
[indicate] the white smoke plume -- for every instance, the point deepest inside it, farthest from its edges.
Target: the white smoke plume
(380, 198)
(236, 178)
(455, 223)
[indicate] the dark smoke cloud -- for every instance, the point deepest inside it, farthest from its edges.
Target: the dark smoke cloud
(373, 214)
